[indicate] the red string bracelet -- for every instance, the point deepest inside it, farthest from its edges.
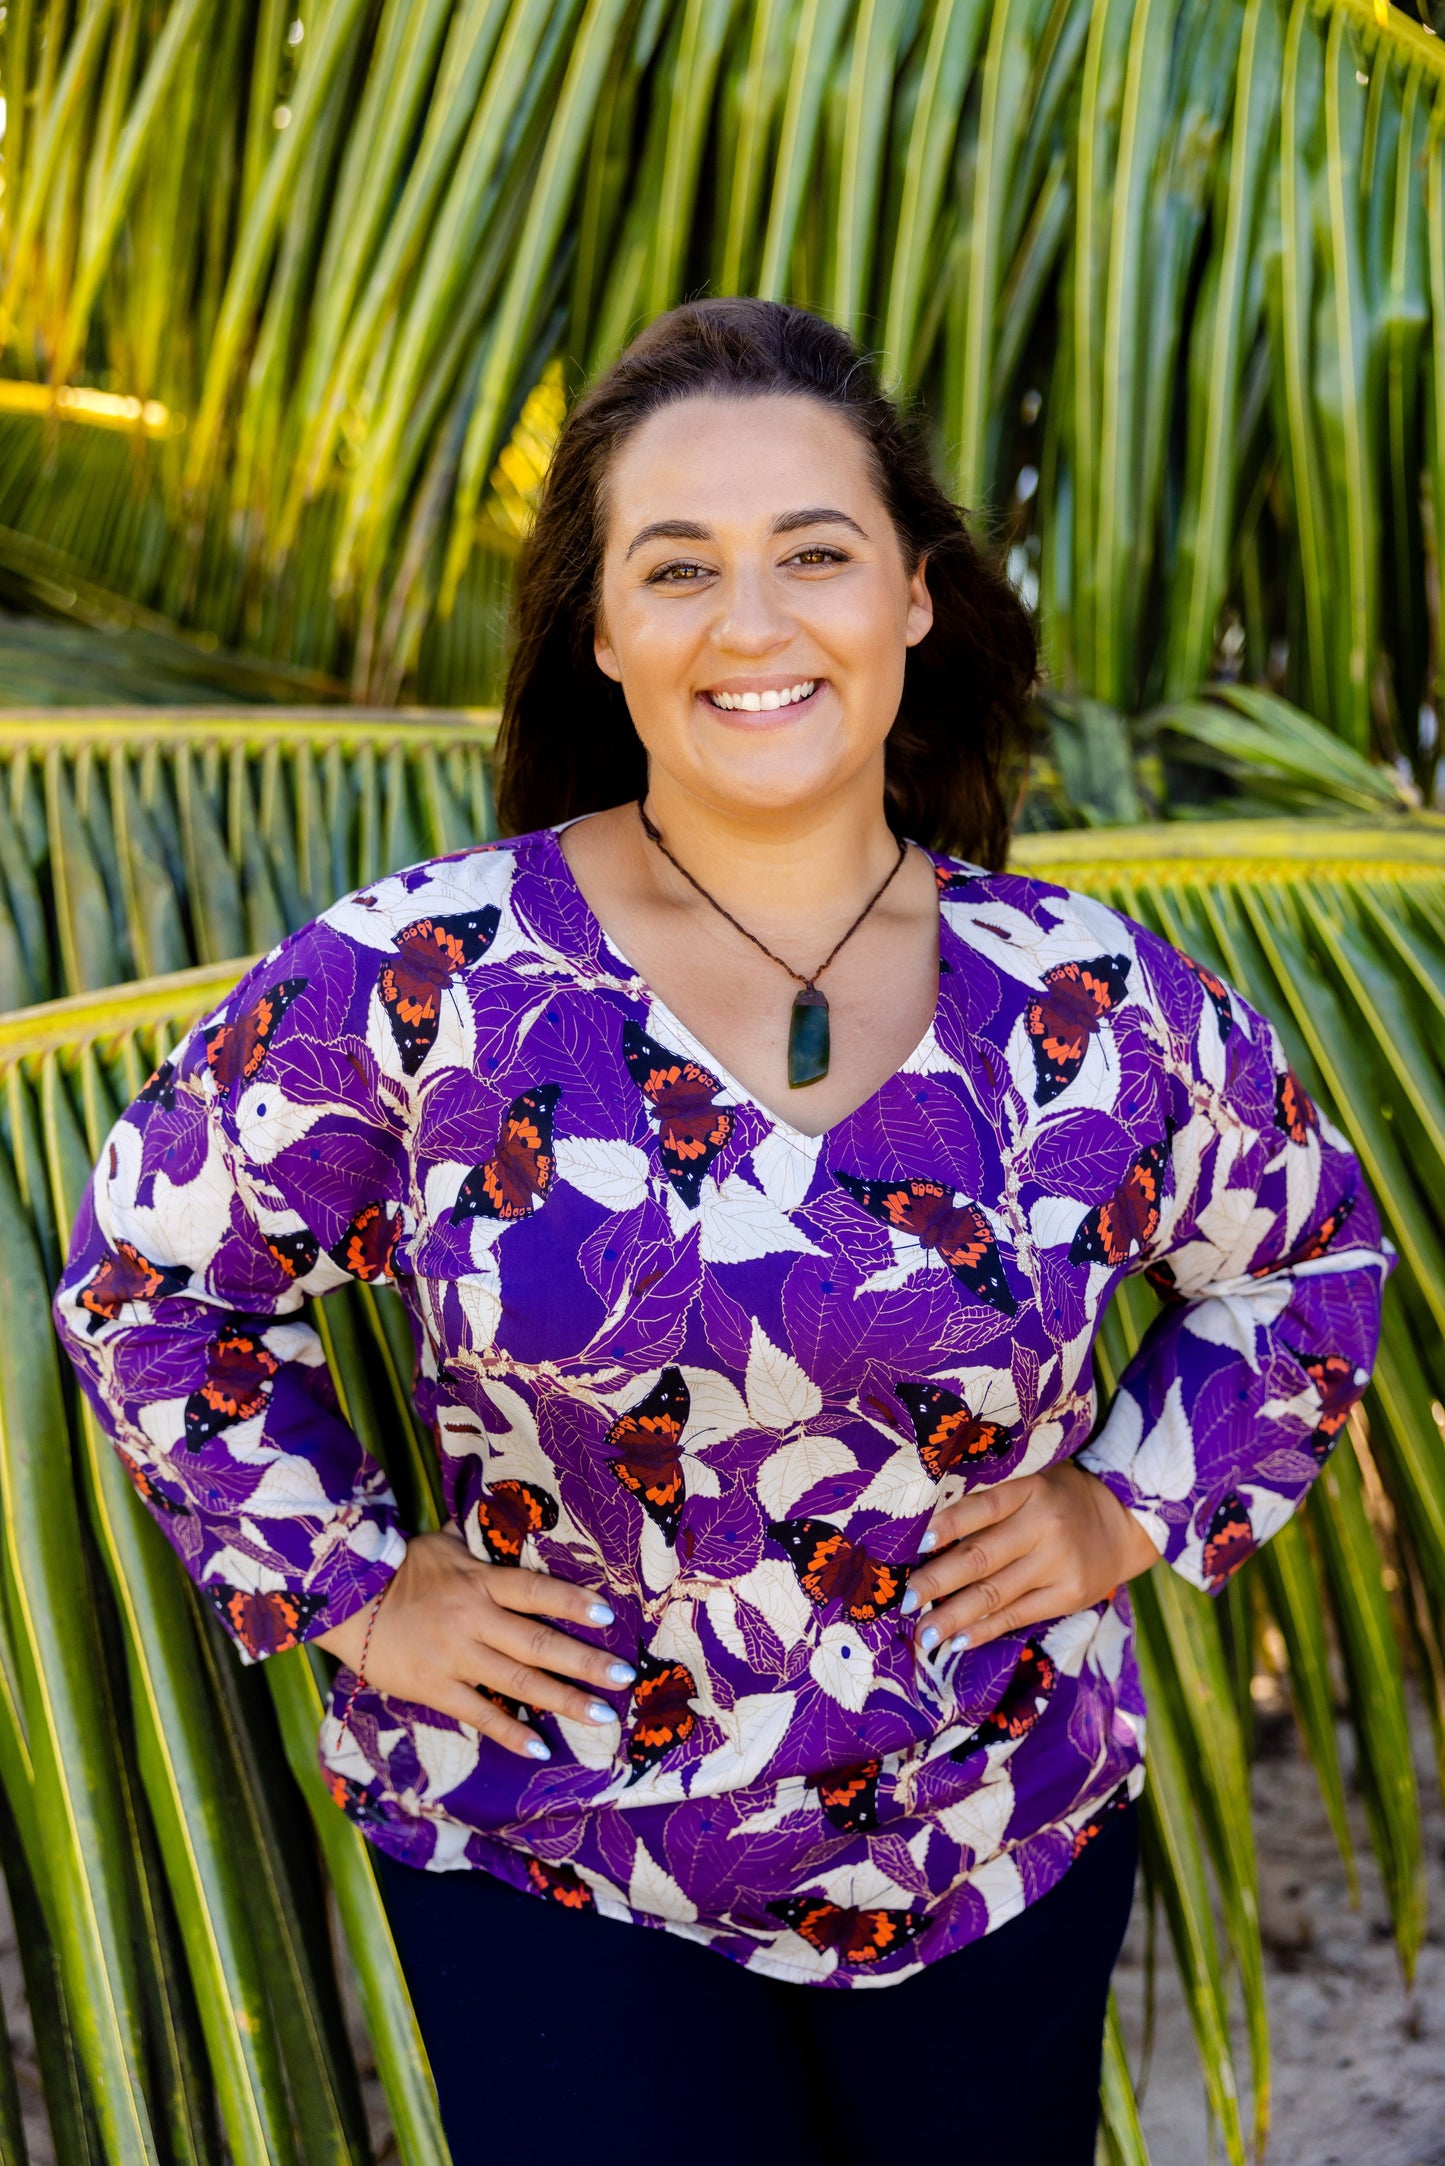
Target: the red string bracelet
(360, 1682)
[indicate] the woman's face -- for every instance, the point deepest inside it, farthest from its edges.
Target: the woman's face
(749, 558)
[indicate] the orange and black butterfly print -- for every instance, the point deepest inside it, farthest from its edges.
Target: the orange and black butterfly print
(959, 1233)
(645, 1444)
(1063, 1019)
(1229, 1541)
(1314, 1244)
(355, 1801)
(235, 1050)
(1334, 1379)
(239, 1371)
(560, 1884)
(265, 1624)
(1216, 992)
(1115, 1803)
(662, 1715)
(123, 1276)
(1127, 1222)
(849, 1796)
(368, 1244)
(159, 1088)
(951, 1437)
(691, 1130)
(516, 1180)
(411, 982)
(1023, 1700)
(830, 1569)
(297, 1253)
(1162, 1278)
(858, 1938)
(952, 880)
(508, 1512)
(146, 1488)
(1294, 1109)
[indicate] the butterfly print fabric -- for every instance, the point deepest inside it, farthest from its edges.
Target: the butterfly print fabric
(670, 1347)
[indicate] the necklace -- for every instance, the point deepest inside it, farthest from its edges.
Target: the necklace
(809, 1036)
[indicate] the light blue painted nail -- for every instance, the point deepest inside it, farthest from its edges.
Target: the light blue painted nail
(910, 1602)
(960, 1639)
(600, 1613)
(928, 1638)
(598, 1711)
(538, 1750)
(926, 1541)
(621, 1673)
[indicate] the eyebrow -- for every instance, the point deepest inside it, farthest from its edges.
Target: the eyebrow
(787, 522)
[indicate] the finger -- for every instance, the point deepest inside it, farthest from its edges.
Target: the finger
(464, 1704)
(530, 1639)
(543, 1594)
(971, 1513)
(1008, 1601)
(520, 1660)
(976, 1557)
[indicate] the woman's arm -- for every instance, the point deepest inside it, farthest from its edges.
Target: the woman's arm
(1269, 1259)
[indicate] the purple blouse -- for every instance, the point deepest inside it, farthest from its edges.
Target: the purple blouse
(673, 1348)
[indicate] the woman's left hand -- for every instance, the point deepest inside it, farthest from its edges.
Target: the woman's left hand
(1037, 1548)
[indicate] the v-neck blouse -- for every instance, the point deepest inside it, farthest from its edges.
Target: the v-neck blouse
(676, 1350)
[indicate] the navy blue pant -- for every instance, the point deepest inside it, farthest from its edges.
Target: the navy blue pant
(560, 2039)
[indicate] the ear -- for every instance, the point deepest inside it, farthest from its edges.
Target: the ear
(919, 620)
(606, 660)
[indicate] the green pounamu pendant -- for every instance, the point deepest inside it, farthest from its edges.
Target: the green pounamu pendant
(809, 1042)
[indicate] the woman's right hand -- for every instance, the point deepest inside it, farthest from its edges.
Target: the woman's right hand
(451, 1623)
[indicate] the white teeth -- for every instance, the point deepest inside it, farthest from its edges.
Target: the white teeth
(763, 702)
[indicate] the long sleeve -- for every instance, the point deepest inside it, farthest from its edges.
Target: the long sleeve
(1270, 1262)
(257, 1166)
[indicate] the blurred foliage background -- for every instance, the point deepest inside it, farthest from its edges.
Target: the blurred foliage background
(291, 307)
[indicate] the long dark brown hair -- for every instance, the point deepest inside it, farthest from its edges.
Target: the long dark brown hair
(567, 745)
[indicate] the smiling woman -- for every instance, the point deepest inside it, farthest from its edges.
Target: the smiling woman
(781, 1604)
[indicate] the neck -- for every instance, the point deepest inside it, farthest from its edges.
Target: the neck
(795, 861)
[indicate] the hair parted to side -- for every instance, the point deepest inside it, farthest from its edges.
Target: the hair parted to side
(567, 745)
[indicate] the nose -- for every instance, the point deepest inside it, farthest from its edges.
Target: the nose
(751, 619)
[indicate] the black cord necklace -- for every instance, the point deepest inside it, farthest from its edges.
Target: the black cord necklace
(809, 1035)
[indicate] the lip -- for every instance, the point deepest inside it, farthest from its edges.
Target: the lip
(765, 717)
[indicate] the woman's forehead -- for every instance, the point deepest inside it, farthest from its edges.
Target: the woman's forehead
(735, 462)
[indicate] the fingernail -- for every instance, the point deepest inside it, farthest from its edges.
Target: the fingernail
(928, 1638)
(960, 1639)
(597, 1711)
(600, 1613)
(622, 1673)
(910, 1602)
(538, 1750)
(926, 1541)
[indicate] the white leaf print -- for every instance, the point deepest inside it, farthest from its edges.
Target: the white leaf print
(739, 1223)
(978, 1821)
(843, 1665)
(773, 1590)
(1267, 1509)
(780, 1391)
(862, 1885)
(1236, 1225)
(448, 1756)
(659, 1562)
(753, 1730)
(654, 1891)
(267, 1122)
(1301, 1185)
(593, 1744)
(900, 1488)
(1164, 1464)
(1041, 1450)
(700, 1478)
(795, 1468)
(481, 1302)
(718, 1409)
(790, 1797)
(1067, 1642)
(785, 1164)
(1106, 1649)
(722, 1615)
(1001, 1885)
(290, 1488)
(1112, 1450)
(614, 1174)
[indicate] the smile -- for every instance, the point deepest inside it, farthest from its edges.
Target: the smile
(763, 702)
